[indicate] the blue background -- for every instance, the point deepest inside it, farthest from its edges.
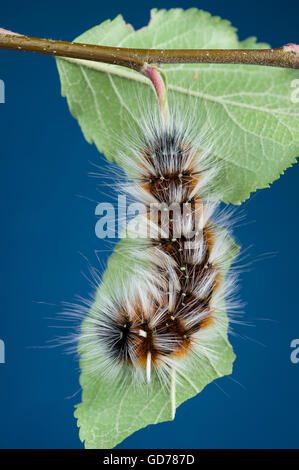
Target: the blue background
(44, 225)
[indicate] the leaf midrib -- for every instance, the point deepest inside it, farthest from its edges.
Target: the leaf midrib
(130, 75)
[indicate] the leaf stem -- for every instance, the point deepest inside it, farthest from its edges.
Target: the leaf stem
(153, 74)
(287, 56)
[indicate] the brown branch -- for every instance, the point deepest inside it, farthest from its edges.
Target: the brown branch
(287, 56)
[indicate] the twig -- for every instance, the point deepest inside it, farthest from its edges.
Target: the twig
(287, 56)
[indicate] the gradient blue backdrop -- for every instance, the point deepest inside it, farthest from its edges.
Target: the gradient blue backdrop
(44, 225)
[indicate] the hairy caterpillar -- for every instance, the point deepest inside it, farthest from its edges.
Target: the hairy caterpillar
(170, 299)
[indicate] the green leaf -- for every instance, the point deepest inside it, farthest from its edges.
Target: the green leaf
(253, 120)
(109, 413)
(254, 131)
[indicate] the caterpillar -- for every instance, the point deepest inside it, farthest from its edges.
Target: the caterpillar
(171, 299)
